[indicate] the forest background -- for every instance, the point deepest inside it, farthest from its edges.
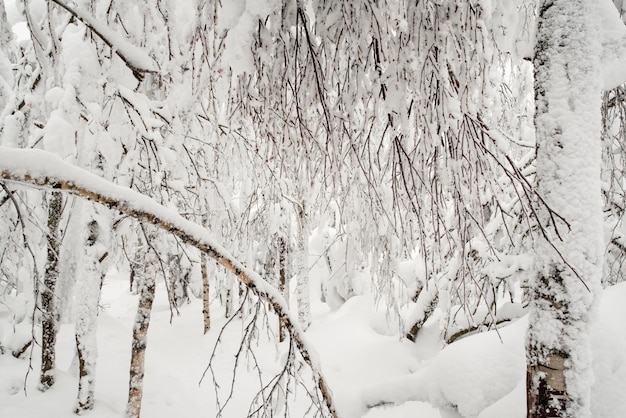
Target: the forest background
(443, 168)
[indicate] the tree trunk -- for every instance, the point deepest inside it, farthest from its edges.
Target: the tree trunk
(48, 305)
(140, 341)
(227, 300)
(569, 247)
(281, 248)
(425, 306)
(303, 291)
(88, 290)
(206, 313)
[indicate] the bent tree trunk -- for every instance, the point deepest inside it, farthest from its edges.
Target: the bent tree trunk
(568, 251)
(426, 304)
(44, 169)
(48, 305)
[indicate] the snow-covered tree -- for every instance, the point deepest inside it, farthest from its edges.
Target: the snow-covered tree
(387, 145)
(569, 80)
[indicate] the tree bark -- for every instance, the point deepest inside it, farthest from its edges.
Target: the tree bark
(281, 248)
(569, 246)
(303, 291)
(425, 306)
(88, 290)
(227, 300)
(139, 344)
(48, 305)
(206, 313)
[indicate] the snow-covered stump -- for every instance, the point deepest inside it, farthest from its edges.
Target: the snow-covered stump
(569, 247)
(47, 293)
(88, 288)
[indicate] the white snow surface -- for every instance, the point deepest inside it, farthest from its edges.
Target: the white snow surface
(371, 371)
(479, 376)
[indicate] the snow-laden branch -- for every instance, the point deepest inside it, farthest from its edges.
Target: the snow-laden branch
(44, 169)
(134, 57)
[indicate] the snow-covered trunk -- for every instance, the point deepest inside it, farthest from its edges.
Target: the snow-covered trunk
(569, 249)
(88, 288)
(206, 313)
(146, 285)
(178, 279)
(426, 303)
(47, 294)
(303, 291)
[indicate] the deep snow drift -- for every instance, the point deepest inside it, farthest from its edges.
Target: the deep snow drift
(478, 376)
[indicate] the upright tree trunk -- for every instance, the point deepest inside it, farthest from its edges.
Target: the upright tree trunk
(283, 288)
(569, 254)
(88, 289)
(140, 340)
(303, 290)
(226, 297)
(206, 313)
(48, 310)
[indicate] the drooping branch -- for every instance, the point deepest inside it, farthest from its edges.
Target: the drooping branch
(136, 59)
(43, 169)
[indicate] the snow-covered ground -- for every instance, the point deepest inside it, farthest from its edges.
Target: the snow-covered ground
(478, 376)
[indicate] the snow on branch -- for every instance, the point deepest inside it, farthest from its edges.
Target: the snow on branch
(44, 169)
(134, 57)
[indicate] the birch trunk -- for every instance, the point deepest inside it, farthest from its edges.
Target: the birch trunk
(568, 251)
(48, 305)
(281, 248)
(140, 340)
(88, 289)
(303, 291)
(206, 313)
